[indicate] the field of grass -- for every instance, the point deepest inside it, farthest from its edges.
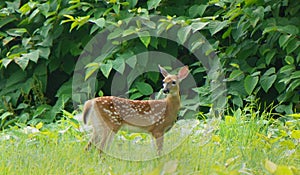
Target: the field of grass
(243, 143)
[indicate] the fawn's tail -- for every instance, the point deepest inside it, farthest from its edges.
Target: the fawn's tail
(86, 110)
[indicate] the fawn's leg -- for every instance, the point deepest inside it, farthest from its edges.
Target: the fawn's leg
(98, 128)
(95, 139)
(159, 138)
(108, 136)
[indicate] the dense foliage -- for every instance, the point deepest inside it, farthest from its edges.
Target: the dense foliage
(257, 42)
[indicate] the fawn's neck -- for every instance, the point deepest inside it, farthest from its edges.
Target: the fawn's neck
(173, 102)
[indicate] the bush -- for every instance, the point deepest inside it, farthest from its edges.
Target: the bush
(257, 43)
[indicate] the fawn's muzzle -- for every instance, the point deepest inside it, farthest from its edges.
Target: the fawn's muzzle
(166, 91)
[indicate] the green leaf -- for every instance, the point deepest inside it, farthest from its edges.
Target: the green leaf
(44, 8)
(67, 20)
(295, 74)
(287, 69)
(25, 9)
(16, 77)
(73, 25)
(255, 73)
(44, 31)
(116, 8)
(131, 30)
(283, 40)
(298, 58)
(119, 65)
(154, 43)
(106, 68)
(153, 4)
(289, 60)
(183, 34)
(16, 31)
(250, 83)
(293, 85)
(270, 71)
(136, 95)
(28, 85)
(82, 20)
(196, 10)
(33, 14)
(25, 41)
(23, 118)
(145, 38)
(132, 3)
(144, 88)
(91, 68)
(237, 101)
(5, 115)
(227, 33)
(150, 24)
(267, 81)
(7, 20)
(94, 28)
(33, 55)
(99, 22)
(70, 17)
(292, 46)
(115, 34)
(22, 62)
(258, 14)
(296, 116)
(44, 52)
(6, 62)
(216, 26)
(153, 76)
(269, 56)
(270, 29)
(22, 106)
(39, 125)
(100, 93)
(131, 61)
(193, 11)
(295, 134)
(250, 2)
(7, 40)
(196, 26)
(235, 75)
(64, 89)
(290, 29)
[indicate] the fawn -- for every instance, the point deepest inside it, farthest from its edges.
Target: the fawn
(111, 113)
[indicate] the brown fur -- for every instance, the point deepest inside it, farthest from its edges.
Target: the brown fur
(154, 116)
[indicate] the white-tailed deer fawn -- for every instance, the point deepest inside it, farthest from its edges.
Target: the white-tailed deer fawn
(109, 114)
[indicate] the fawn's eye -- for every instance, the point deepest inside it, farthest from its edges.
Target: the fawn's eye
(173, 82)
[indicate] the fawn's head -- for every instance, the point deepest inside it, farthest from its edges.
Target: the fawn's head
(171, 82)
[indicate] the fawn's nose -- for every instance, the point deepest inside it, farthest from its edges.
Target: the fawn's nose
(166, 91)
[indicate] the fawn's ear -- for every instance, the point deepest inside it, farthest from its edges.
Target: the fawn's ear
(163, 71)
(183, 73)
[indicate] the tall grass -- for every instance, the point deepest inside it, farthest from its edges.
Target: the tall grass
(242, 143)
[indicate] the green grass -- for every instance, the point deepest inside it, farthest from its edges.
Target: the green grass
(240, 144)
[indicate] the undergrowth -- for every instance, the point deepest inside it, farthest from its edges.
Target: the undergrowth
(245, 142)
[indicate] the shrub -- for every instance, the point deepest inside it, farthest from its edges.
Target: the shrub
(257, 43)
